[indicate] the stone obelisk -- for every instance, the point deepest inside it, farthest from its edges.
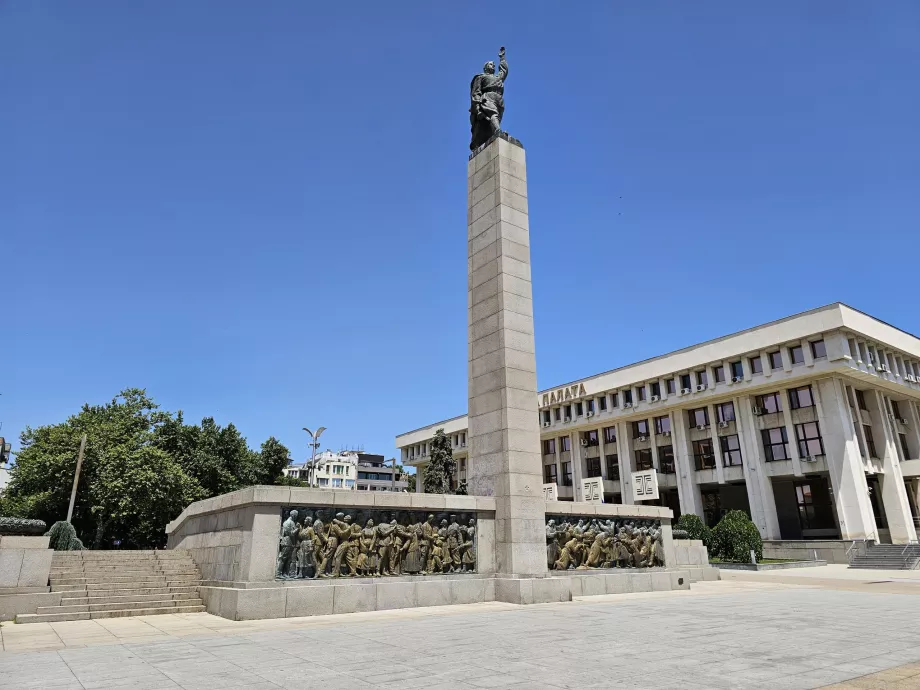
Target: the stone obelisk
(504, 433)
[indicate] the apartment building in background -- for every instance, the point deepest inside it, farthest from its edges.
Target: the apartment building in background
(810, 424)
(350, 469)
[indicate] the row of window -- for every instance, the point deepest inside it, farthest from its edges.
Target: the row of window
(337, 483)
(775, 443)
(653, 390)
(883, 361)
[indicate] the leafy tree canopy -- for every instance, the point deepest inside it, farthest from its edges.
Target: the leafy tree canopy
(141, 467)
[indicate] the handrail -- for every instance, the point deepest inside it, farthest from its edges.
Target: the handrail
(853, 546)
(910, 542)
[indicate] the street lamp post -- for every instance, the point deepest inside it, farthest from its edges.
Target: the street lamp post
(314, 444)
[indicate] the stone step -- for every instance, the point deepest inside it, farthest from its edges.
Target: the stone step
(117, 559)
(120, 572)
(118, 606)
(58, 617)
(82, 592)
(116, 598)
(99, 586)
(122, 578)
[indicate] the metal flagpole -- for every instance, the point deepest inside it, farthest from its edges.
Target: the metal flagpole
(76, 478)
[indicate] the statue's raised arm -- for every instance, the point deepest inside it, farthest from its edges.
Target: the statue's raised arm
(487, 101)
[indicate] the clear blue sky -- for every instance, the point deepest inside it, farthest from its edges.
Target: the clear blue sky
(257, 210)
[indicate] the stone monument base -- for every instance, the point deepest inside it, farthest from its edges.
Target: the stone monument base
(296, 598)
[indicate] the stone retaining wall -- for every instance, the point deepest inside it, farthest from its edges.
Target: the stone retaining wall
(830, 550)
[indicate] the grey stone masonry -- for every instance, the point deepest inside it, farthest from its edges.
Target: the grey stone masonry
(504, 435)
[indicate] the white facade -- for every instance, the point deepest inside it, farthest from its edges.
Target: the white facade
(354, 470)
(333, 470)
(4, 476)
(811, 424)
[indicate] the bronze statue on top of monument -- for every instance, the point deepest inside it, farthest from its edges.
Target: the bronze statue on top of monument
(487, 101)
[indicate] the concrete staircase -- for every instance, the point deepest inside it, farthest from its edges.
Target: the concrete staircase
(110, 584)
(888, 557)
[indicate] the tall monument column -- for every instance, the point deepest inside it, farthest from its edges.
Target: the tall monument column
(504, 431)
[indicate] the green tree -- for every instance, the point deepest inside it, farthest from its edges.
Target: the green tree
(439, 471)
(735, 537)
(141, 467)
(117, 432)
(695, 528)
(273, 458)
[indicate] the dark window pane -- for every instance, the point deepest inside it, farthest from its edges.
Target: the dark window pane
(685, 381)
(818, 351)
(671, 386)
(718, 373)
(796, 354)
(594, 467)
(666, 459)
(776, 360)
(756, 365)
(737, 370)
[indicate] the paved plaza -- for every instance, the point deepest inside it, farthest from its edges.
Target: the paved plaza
(733, 634)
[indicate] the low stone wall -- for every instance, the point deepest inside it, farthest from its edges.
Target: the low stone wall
(25, 562)
(25, 565)
(692, 555)
(829, 550)
(235, 538)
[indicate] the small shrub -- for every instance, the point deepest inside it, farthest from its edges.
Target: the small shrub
(64, 537)
(695, 528)
(735, 537)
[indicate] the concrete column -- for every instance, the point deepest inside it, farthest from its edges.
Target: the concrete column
(787, 360)
(602, 452)
(914, 427)
(757, 482)
(624, 455)
(765, 363)
(578, 461)
(806, 353)
(894, 492)
(716, 446)
(791, 441)
(691, 501)
(558, 462)
(419, 476)
(746, 367)
(844, 464)
(504, 431)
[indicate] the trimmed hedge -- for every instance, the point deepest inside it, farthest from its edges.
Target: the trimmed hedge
(64, 537)
(21, 526)
(695, 528)
(735, 537)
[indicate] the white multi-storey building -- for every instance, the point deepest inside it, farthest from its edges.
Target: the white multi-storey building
(350, 470)
(811, 424)
(333, 470)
